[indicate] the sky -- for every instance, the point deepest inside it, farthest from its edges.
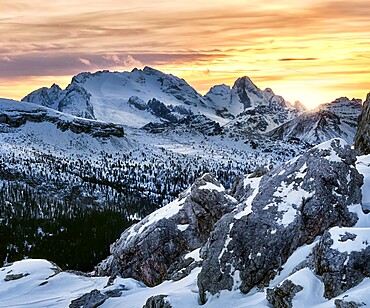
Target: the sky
(312, 51)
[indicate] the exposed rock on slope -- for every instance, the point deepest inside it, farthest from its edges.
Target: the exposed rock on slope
(15, 114)
(342, 258)
(148, 249)
(362, 140)
(291, 206)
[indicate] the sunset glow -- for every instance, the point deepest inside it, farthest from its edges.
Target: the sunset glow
(311, 51)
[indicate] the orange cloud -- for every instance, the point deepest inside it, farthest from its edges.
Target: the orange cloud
(311, 51)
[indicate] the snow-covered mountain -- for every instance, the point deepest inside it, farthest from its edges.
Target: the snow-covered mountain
(139, 97)
(129, 98)
(336, 119)
(251, 110)
(162, 101)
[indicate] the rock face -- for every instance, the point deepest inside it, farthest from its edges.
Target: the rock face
(198, 123)
(21, 114)
(74, 100)
(157, 301)
(148, 249)
(362, 140)
(337, 119)
(342, 258)
(290, 207)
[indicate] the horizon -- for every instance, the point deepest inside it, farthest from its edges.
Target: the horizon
(312, 52)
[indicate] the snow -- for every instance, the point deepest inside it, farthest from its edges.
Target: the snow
(41, 287)
(165, 212)
(194, 254)
(182, 227)
(333, 156)
(313, 288)
(289, 198)
(211, 186)
(247, 204)
(361, 241)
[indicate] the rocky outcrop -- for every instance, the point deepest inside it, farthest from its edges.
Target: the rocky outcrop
(74, 100)
(362, 139)
(290, 207)
(199, 123)
(282, 296)
(89, 300)
(19, 117)
(147, 250)
(342, 259)
(157, 301)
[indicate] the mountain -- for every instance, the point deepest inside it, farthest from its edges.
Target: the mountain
(362, 140)
(146, 96)
(251, 111)
(161, 102)
(293, 236)
(336, 119)
(129, 98)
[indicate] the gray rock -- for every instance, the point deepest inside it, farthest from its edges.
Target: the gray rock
(341, 303)
(292, 205)
(157, 301)
(89, 300)
(147, 250)
(76, 125)
(362, 139)
(282, 296)
(11, 277)
(340, 271)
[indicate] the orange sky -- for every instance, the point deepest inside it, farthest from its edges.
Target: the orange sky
(314, 51)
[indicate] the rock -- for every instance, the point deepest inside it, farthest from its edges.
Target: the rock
(282, 296)
(89, 300)
(11, 277)
(341, 270)
(147, 250)
(362, 139)
(198, 123)
(157, 301)
(75, 125)
(291, 206)
(341, 303)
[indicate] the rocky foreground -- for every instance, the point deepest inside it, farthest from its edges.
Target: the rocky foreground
(295, 236)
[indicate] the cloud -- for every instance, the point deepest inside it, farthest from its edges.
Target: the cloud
(84, 61)
(298, 59)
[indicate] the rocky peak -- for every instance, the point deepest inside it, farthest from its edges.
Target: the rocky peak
(362, 139)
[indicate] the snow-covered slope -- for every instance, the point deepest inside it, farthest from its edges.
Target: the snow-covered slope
(336, 119)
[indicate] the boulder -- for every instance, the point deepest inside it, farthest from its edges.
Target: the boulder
(291, 206)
